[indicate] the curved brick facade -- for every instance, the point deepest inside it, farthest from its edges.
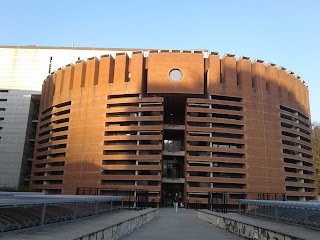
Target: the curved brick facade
(227, 126)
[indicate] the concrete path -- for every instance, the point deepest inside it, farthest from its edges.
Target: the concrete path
(181, 225)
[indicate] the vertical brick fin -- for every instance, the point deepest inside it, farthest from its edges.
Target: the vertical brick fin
(283, 87)
(213, 72)
(92, 71)
(121, 68)
(258, 76)
(68, 79)
(244, 75)
(291, 89)
(51, 90)
(57, 82)
(271, 81)
(302, 94)
(111, 70)
(307, 108)
(299, 86)
(96, 72)
(290, 84)
(79, 75)
(45, 93)
(136, 73)
(106, 70)
(61, 80)
(229, 72)
(304, 98)
(297, 93)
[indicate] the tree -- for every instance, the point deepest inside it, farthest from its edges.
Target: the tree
(316, 151)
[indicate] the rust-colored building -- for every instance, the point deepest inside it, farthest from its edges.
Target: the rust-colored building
(175, 121)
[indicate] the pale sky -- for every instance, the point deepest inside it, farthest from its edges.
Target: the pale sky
(283, 32)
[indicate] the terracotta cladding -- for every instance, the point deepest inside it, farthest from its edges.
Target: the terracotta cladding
(103, 124)
(235, 77)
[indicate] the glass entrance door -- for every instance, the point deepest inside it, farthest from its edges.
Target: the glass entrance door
(168, 192)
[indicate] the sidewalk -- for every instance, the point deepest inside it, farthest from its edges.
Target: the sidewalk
(181, 225)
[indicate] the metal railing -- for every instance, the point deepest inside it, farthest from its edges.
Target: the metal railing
(225, 202)
(133, 199)
(23, 211)
(300, 213)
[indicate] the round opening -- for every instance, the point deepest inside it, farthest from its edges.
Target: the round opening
(175, 74)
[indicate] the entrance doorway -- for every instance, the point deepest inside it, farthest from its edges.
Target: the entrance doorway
(168, 192)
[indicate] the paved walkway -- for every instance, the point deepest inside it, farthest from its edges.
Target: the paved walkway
(181, 225)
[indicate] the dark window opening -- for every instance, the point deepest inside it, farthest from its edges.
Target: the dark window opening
(226, 98)
(226, 107)
(60, 105)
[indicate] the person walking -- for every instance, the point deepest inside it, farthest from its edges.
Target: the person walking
(175, 202)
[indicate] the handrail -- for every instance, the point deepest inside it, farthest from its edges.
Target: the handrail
(289, 204)
(293, 212)
(19, 200)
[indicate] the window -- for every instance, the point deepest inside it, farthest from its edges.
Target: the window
(175, 74)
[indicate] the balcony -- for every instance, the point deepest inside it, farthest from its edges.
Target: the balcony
(174, 127)
(169, 153)
(173, 180)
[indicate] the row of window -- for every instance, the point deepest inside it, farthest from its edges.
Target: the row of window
(60, 105)
(299, 131)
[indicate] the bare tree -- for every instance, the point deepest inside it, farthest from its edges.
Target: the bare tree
(316, 150)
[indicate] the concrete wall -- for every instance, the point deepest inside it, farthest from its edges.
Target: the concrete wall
(121, 229)
(243, 229)
(13, 134)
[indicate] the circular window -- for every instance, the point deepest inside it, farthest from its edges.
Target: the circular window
(175, 75)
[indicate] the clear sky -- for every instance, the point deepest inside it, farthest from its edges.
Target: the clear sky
(285, 32)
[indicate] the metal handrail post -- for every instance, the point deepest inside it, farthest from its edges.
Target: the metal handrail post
(43, 214)
(130, 200)
(97, 208)
(306, 216)
(75, 210)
